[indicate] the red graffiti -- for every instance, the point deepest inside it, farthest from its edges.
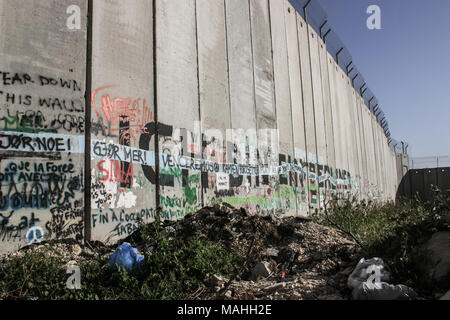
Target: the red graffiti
(115, 173)
(134, 112)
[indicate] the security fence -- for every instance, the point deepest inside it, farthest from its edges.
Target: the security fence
(430, 162)
(317, 18)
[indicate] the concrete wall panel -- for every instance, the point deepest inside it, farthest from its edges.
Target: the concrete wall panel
(122, 115)
(355, 180)
(319, 113)
(178, 105)
(337, 131)
(242, 101)
(298, 121)
(362, 146)
(287, 181)
(345, 171)
(308, 109)
(328, 114)
(42, 115)
(266, 118)
(215, 110)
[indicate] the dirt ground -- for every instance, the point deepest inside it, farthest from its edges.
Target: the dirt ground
(303, 260)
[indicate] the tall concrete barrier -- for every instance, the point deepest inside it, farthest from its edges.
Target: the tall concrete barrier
(113, 112)
(297, 107)
(122, 188)
(42, 115)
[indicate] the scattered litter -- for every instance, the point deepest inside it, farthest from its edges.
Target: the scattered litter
(373, 268)
(126, 256)
(369, 281)
(275, 286)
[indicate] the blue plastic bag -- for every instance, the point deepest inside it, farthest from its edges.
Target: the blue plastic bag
(125, 256)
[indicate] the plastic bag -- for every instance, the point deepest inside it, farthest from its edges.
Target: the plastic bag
(365, 269)
(125, 256)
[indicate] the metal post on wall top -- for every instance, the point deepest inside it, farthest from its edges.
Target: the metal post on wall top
(304, 10)
(338, 53)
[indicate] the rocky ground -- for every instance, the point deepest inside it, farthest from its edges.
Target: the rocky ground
(285, 258)
(289, 258)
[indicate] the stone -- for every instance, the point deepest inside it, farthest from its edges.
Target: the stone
(262, 269)
(369, 282)
(217, 280)
(446, 296)
(228, 294)
(436, 264)
(75, 249)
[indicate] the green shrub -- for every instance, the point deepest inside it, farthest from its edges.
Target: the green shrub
(172, 269)
(392, 231)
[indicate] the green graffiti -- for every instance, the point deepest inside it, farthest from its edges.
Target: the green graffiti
(287, 192)
(190, 194)
(24, 124)
(195, 178)
(170, 202)
(169, 214)
(238, 201)
(175, 172)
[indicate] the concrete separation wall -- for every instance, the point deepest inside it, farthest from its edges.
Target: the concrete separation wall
(177, 104)
(42, 122)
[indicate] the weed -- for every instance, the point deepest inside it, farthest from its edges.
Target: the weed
(171, 270)
(392, 231)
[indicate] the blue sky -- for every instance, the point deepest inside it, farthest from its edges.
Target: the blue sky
(406, 64)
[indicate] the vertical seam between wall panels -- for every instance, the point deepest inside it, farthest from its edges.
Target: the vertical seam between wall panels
(228, 69)
(155, 106)
(303, 107)
(87, 130)
(274, 100)
(254, 81)
(198, 99)
(331, 114)
(290, 104)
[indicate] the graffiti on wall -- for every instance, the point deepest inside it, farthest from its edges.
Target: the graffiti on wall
(41, 141)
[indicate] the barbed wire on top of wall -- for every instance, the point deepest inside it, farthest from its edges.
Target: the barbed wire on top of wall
(317, 18)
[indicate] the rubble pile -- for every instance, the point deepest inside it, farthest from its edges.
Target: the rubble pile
(286, 258)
